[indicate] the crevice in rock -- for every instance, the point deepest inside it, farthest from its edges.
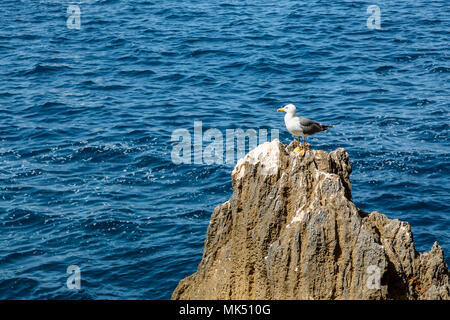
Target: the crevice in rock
(397, 286)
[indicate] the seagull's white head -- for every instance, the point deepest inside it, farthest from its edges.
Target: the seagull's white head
(289, 108)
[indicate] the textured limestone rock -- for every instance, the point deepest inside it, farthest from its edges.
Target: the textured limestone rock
(291, 231)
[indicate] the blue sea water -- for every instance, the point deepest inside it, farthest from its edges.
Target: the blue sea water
(86, 118)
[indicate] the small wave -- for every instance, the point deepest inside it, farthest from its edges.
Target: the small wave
(421, 102)
(407, 57)
(21, 217)
(171, 77)
(18, 288)
(16, 257)
(111, 87)
(137, 73)
(384, 69)
(102, 153)
(441, 70)
(45, 69)
(111, 226)
(196, 214)
(203, 52)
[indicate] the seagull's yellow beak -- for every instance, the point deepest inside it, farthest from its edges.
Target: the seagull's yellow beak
(280, 110)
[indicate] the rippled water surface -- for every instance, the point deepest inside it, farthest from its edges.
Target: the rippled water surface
(86, 118)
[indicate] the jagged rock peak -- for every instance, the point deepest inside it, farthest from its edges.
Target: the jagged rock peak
(291, 231)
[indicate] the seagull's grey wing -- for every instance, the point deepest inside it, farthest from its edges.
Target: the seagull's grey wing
(310, 127)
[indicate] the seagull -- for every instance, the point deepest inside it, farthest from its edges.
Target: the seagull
(300, 126)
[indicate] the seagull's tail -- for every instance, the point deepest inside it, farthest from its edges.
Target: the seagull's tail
(326, 127)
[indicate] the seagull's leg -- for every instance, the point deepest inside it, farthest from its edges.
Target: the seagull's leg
(297, 149)
(304, 143)
(301, 151)
(298, 144)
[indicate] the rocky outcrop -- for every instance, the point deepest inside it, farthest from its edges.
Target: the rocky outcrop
(291, 231)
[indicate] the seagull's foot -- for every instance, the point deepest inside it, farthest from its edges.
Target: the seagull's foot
(301, 151)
